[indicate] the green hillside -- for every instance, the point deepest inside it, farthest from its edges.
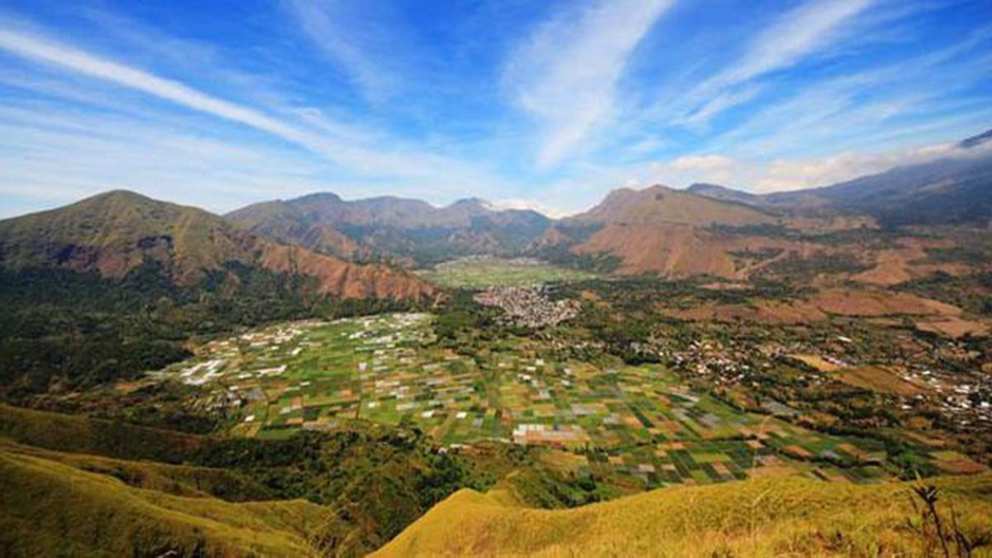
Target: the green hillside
(76, 486)
(116, 231)
(53, 508)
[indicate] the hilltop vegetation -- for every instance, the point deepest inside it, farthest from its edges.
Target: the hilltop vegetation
(768, 517)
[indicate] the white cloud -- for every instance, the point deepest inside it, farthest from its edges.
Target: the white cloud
(521, 203)
(82, 62)
(702, 162)
(797, 34)
(718, 104)
(805, 31)
(357, 151)
(566, 73)
(797, 174)
(850, 111)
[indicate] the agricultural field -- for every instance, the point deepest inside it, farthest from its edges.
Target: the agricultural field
(481, 272)
(635, 422)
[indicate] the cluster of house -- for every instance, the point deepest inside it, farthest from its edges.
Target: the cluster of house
(529, 306)
(965, 398)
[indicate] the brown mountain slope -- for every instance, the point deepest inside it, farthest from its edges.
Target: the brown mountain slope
(660, 205)
(115, 232)
(664, 231)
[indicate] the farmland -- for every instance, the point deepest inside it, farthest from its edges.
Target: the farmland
(480, 272)
(639, 423)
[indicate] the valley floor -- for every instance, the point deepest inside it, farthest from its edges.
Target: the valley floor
(640, 425)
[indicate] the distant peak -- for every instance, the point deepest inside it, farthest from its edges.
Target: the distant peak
(118, 197)
(697, 186)
(474, 202)
(975, 141)
(319, 196)
(120, 194)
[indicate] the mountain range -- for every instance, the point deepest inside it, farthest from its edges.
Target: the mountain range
(345, 245)
(952, 190)
(398, 228)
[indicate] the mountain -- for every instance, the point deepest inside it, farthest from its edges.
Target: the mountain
(654, 230)
(975, 141)
(114, 233)
(952, 190)
(717, 192)
(660, 205)
(761, 517)
(392, 227)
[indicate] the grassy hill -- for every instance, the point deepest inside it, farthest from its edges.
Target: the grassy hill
(77, 486)
(766, 517)
(52, 508)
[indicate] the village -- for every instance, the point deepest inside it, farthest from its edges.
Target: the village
(792, 376)
(643, 422)
(528, 307)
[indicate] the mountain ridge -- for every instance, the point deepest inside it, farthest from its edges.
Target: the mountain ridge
(115, 232)
(948, 190)
(391, 226)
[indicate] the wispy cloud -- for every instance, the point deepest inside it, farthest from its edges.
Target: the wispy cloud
(361, 37)
(566, 73)
(796, 35)
(846, 111)
(93, 66)
(381, 97)
(371, 160)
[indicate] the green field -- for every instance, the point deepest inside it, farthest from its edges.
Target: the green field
(479, 273)
(642, 422)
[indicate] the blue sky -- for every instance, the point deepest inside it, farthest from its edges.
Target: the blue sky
(547, 104)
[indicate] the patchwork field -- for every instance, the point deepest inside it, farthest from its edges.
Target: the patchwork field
(636, 422)
(482, 272)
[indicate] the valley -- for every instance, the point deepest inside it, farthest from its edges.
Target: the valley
(637, 423)
(491, 279)
(343, 376)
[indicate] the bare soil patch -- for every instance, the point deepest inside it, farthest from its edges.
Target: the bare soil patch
(879, 378)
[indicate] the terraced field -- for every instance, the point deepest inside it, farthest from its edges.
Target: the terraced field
(637, 422)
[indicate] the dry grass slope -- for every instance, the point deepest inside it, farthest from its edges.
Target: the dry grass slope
(768, 517)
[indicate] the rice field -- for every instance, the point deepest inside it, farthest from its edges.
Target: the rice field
(638, 422)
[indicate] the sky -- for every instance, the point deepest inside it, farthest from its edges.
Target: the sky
(542, 104)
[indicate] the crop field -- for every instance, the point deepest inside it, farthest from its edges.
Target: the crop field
(639, 422)
(479, 273)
